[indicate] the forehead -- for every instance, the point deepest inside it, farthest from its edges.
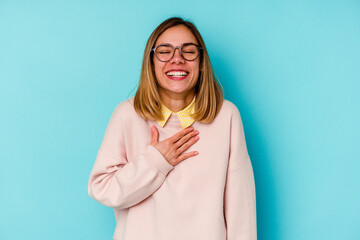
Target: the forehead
(176, 36)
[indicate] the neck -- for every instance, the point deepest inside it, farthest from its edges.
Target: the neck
(177, 102)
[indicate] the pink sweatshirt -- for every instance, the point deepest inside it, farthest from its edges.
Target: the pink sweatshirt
(210, 196)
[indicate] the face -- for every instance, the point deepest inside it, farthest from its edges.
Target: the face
(177, 77)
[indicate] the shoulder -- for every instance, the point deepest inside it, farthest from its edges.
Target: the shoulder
(233, 112)
(125, 111)
(227, 112)
(125, 105)
(229, 108)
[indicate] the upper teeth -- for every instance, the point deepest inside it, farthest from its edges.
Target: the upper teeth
(176, 73)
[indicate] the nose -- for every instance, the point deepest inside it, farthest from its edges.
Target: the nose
(177, 58)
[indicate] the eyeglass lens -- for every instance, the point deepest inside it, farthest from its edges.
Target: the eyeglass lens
(165, 53)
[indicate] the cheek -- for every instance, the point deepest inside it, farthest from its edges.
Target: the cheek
(158, 70)
(196, 69)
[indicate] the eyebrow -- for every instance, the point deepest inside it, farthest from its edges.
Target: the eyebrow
(171, 44)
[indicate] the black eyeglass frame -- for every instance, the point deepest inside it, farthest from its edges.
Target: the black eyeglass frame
(174, 48)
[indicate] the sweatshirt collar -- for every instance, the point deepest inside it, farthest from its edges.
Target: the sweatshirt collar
(183, 115)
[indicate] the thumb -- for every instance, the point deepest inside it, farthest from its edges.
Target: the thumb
(154, 135)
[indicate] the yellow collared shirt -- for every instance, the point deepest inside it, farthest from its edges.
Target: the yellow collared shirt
(183, 115)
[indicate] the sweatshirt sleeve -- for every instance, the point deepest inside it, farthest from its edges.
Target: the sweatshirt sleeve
(118, 183)
(239, 197)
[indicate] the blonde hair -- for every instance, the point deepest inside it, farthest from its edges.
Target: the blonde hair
(208, 91)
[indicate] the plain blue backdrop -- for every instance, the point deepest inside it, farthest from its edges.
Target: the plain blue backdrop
(291, 67)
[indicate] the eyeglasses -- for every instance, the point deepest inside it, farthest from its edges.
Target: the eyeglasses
(165, 52)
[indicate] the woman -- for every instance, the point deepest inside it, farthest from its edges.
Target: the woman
(168, 183)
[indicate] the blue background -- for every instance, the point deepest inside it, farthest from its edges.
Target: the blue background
(291, 67)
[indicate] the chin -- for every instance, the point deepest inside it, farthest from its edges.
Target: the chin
(179, 90)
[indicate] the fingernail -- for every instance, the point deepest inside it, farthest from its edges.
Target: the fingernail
(196, 153)
(153, 128)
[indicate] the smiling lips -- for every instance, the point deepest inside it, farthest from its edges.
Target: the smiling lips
(177, 74)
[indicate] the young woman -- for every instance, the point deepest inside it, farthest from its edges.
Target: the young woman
(173, 163)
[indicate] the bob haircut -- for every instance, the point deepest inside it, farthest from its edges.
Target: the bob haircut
(208, 91)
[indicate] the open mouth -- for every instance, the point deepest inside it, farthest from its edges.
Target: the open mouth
(177, 74)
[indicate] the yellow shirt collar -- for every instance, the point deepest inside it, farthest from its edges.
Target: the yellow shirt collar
(183, 115)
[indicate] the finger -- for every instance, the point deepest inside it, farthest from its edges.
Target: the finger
(187, 144)
(180, 134)
(184, 156)
(154, 135)
(185, 138)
